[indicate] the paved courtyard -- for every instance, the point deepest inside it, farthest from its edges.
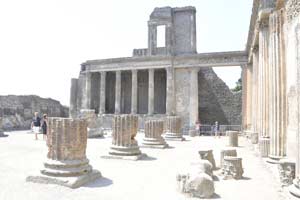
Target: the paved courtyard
(150, 179)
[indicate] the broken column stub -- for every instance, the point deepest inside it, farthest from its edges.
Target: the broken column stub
(207, 154)
(66, 162)
(124, 145)
(94, 123)
(153, 134)
(173, 128)
(233, 138)
(232, 167)
(227, 152)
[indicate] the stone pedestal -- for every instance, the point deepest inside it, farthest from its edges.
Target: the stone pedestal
(207, 154)
(232, 167)
(233, 138)
(173, 126)
(1, 130)
(66, 162)
(227, 152)
(264, 146)
(94, 124)
(286, 170)
(153, 134)
(124, 145)
(254, 138)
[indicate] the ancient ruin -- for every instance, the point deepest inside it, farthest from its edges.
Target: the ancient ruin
(66, 162)
(153, 134)
(227, 152)
(173, 128)
(124, 145)
(94, 124)
(207, 154)
(232, 167)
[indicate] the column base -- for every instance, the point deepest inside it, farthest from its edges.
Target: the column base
(192, 133)
(294, 189)
(125, 153)
(274, 159)
(71, 182)
(154, 143)
(173, 137)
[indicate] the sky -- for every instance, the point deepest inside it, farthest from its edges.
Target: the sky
(43, 42)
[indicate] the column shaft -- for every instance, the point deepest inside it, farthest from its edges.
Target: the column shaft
(102, 92)
(151, 92)
(118, 93)
(134, 92)
(193, 97)
(170, 91)
(87, 96)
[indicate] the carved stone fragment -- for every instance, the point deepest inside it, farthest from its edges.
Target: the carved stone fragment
(232, 167)
(207, 154)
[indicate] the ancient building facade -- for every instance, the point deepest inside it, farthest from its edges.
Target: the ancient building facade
(272, 79)
(160, 81)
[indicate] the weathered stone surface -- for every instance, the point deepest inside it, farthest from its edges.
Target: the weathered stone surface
(287, 172)
(153, 134)
(207, 154)
(1, 130)
(200, 185)
(94, 126)
(124, 145)
(232, 167)
(264, 146)
(254, 138)
(227, 152)
(233, 138)
(202, 166)
(17, 111)
(173, 128)
(66, 162)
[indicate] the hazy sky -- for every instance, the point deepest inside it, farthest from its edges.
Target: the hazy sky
(43, 42)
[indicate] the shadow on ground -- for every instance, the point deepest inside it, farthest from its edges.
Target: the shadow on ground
(100, 182)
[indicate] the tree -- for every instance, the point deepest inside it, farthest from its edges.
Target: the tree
(238, 86)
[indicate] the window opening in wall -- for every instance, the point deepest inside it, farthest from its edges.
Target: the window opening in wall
(161, 36)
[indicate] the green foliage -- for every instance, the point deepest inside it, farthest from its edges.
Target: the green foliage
(238, 86)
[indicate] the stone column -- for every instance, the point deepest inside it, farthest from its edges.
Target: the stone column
(255, 86)
(66, 162)
(244, 97)
(295, 188)
(193, 108)
(173, 128)
(102, 92)
(170, 103)
(277, 90)
(233, 138)
(134, 92)
(124, 145)
(73, 98)
(151, 92)
(87, 94)
(153, 134)
(118, 93)
(152, 39)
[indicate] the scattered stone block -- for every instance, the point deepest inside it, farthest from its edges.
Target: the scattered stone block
(207, 154)
(232, 167)
(227, 152)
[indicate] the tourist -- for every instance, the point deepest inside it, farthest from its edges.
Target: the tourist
(36, 124)
(44, 126)
(217, 129)
(197, 124)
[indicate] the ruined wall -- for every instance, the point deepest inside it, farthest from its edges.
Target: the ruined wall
(216, 101)
(17, 111)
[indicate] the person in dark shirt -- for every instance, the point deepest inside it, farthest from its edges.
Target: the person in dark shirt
(44, 126)
(36, 124)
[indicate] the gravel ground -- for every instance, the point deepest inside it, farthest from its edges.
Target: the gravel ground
(153, 178)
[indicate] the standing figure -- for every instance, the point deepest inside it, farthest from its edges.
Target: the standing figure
(217, 129)
(44, 126)
(36, 124)
(197, 124)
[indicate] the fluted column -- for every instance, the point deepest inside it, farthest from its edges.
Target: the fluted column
(193, 97)
(255, 90)
(87, 96)
(278, 89)
(151, 92)
(118, 93)
(102, 92)
(134, 91)
(170, 91)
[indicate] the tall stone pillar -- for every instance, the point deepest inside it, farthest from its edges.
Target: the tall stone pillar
(244, 97)
(277, 88)
(295, 188)
(264, 83)
(73, 98)
(255, 86)
(87, 93)
(118, 93)
(194, 107)
(134, 92)
(102, 92)
(170, 102)
(66, 162)
(151, 92)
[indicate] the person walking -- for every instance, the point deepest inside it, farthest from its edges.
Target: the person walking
(217, 129)
(44, 126)
(36, 124)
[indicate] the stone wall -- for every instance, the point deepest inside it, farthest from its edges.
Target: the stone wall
(216, 101)
(17, 111)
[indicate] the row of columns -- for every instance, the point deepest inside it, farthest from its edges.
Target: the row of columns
(134, 95)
